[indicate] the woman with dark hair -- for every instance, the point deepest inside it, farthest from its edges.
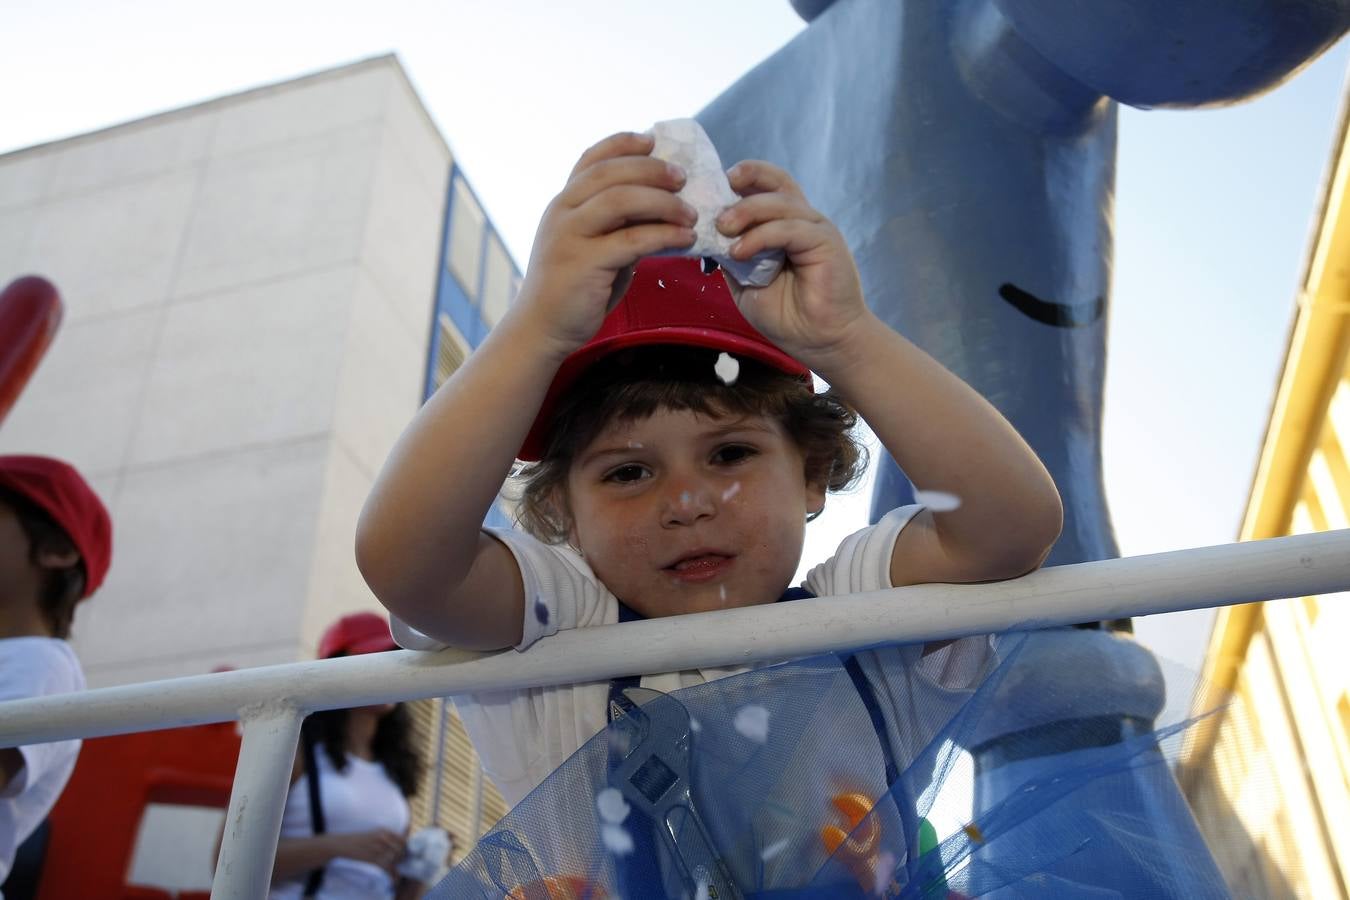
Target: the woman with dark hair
(344, 832)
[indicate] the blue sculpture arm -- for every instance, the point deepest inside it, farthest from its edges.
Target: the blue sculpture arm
(972, 169)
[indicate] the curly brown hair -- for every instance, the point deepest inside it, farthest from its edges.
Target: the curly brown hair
(634, 383)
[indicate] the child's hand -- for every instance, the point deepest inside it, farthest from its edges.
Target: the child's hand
(619, 205)
(815, 305)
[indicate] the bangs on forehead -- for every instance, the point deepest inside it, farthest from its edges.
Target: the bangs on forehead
(635, 384)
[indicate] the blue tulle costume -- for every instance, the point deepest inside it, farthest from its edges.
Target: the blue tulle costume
(849, 776)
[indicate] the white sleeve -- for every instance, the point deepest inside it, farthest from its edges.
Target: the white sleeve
(863, 560)
(37, 667)
(561, 592)
(863, 563)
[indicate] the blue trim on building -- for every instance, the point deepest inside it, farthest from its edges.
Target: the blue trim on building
(451, 300)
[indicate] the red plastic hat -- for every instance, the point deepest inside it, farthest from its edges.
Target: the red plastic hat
(363, 632)
(671, 301)
(58, 490)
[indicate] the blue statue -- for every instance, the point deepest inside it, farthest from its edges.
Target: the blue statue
(966, 148)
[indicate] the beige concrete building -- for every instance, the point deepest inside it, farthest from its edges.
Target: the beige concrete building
(259, 292)
(248, 286)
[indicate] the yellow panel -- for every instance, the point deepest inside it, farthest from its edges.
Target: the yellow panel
(1312, 873)
(1333, 450)
(1323, 484)
(1338, 414)
(1313, 507)
(1311, 714)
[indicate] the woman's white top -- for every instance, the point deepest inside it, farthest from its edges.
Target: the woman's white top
(361, 798)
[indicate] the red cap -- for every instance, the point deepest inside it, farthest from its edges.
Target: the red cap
(670, 301)
(362, 632)
(58, 490)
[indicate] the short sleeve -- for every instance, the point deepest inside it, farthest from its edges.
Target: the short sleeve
(561, 592)
(863, 563)
(38, 667)
(863, 560)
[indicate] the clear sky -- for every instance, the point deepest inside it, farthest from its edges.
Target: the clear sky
(1213, 208)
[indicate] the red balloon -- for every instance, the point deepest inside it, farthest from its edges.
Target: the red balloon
(30, 313)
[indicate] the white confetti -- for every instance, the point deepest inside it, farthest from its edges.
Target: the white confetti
(611, 805)
(685, 498)
(773, 850)
(702, 892)
(695, 725)
(616, 839)
(882, 877)
(722, 590)
(938, 501)
(634, 445)
(727, 368)
(661, 283)
(731, 491)
(752, 721)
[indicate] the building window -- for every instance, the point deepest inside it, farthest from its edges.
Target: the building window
(498, 279)
(465, 254)
(450, 355)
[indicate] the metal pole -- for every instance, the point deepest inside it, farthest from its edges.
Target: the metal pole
(441, 717)
(478, 802)
(1297, 566)
(261, 782)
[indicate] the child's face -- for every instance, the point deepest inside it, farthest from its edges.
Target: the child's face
(681, 512)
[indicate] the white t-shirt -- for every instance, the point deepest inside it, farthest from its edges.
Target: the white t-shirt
(361, 798)
(523, 735)
(35, 667)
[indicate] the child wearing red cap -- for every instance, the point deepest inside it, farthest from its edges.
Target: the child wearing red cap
(55, 548)
(678, 448)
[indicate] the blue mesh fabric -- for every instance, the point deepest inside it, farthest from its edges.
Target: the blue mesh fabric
(1083, 806)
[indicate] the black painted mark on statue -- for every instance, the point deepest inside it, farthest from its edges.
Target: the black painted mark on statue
(1061, 315)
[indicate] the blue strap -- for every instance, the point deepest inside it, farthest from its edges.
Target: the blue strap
(851, 665)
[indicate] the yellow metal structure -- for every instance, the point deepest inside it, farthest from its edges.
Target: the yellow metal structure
(1269, 779)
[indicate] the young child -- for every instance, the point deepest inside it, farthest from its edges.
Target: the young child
(658, 488)
(55, 548)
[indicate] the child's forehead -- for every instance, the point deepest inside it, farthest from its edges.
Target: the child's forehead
(711, 421)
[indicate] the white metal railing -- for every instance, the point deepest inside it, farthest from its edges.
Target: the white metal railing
(271, 701)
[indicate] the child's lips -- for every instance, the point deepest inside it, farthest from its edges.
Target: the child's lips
(699, 567)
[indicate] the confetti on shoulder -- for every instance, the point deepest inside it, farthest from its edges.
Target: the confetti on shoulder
(938, 501)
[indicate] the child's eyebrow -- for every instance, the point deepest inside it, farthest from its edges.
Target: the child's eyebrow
(722, 429)
(600, 454)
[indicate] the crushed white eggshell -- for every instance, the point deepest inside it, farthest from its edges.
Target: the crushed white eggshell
(752, 721)
(727, 368)
(611, 805)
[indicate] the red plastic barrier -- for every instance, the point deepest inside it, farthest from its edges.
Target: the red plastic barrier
(97, 819)
(30, 313)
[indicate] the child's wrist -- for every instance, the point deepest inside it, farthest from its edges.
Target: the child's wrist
(525, 327)
(854, 346)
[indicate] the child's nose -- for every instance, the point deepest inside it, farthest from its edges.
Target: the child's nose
(687, 503)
